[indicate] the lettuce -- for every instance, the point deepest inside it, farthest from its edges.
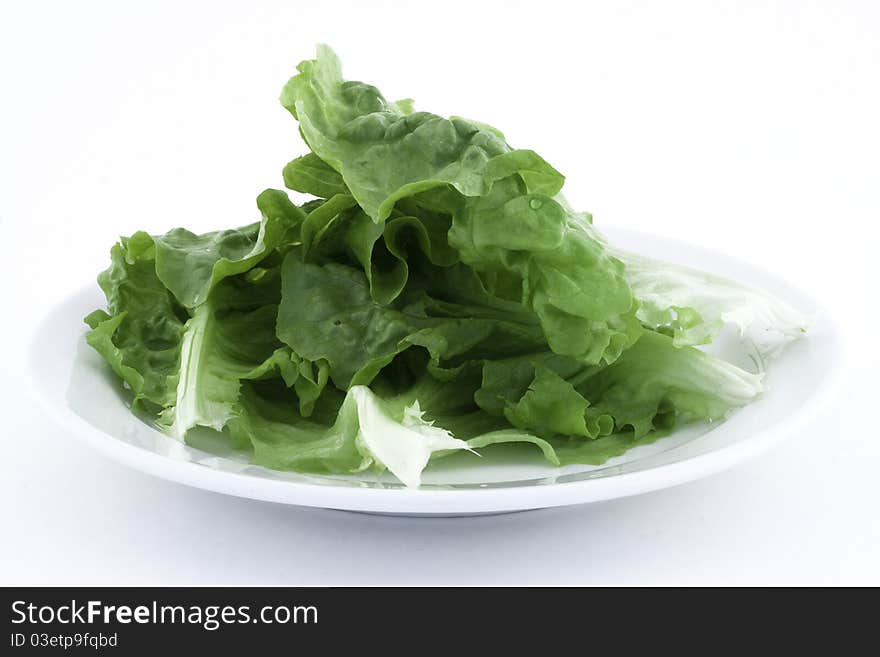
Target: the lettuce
(437, 293)
(506, 222)
(693, 306)
(142, 334)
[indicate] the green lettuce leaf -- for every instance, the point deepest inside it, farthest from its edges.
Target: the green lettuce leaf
(351, 127)
(649, 387)
(190, 265)
(141, 334)
(309, 174)
(655, 382)
(367, 431)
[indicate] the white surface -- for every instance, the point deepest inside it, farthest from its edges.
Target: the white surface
(749, 128)
(78, 390)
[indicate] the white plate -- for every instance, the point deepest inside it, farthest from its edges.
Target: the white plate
(78, 390)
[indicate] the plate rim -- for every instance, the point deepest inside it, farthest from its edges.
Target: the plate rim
(456, 501)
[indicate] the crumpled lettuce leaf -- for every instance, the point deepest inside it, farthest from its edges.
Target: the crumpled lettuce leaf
(141, 332)
(649, 387)
(351, 127)
(655, 381)
(191, 265)
(367, 431)
(309, 174)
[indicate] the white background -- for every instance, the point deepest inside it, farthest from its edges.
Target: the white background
(749, 127)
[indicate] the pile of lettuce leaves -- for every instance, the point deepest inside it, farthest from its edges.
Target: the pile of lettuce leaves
(436, 294)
